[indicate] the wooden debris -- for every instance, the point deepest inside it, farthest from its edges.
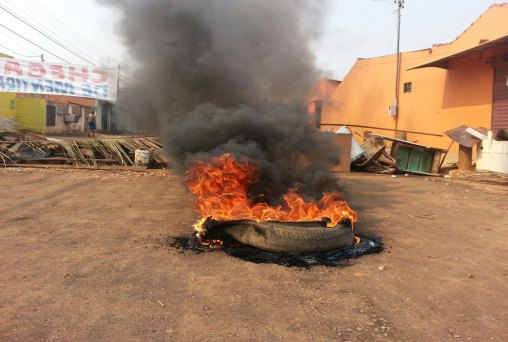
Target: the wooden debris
(26, 147)
(375, 158)
(81, 167)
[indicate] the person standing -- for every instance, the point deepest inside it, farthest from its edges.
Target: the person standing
(92, 126)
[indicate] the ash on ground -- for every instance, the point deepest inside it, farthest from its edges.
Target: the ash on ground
(334, 258)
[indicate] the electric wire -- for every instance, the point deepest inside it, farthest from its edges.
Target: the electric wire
(57, 27)
(393, 3)
(17, 53)
(45, 35)
(40, 47)
(68, 33)
(15, 43)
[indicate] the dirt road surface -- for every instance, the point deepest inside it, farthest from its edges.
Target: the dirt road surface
(81, 260)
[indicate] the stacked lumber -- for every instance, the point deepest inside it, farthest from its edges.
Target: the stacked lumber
(24, 147)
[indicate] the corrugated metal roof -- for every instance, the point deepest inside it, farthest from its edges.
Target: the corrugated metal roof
(443, 61)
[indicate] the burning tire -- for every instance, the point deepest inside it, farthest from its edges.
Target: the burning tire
(290, 237)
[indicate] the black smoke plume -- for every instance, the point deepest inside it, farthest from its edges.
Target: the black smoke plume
(230, 76)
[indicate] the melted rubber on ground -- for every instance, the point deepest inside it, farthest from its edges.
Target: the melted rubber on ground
(334, 258)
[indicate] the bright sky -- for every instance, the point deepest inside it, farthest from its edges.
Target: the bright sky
(351, 29)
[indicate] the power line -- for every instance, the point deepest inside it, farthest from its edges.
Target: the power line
(91, 44)
(39, 19)
(16, 44)
(45, 35)
(39, 31)
(40, 47)
(46, 20)
(394, 30)
(19, 54)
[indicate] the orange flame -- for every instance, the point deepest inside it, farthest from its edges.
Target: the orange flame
(221, 188)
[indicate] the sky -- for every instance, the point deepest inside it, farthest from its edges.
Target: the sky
(84, 30)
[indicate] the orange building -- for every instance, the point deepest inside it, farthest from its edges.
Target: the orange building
(321, 92)
(461, 82)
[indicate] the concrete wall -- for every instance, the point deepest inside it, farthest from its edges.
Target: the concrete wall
(70, 105)
(64, 105)
(63, 127)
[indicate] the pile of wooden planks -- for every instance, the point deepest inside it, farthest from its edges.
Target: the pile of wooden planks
(25, 147)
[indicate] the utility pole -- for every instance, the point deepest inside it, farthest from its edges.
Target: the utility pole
(395, 112)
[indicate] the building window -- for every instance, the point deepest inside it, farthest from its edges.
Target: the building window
(408, 86)
(50, 115)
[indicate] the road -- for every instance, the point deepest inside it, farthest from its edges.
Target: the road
(83, 258)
